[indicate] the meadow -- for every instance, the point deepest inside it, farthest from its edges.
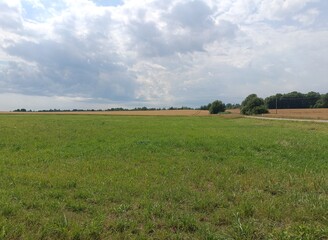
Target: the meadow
(157, 177)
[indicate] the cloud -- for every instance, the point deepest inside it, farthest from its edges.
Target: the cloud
(68, 69)
(11, 16)
(195, 15)
(281, 9)
(308, 17)
(76, 58)
(162, 52)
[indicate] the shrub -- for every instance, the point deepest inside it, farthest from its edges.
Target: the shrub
(217, 107)
(253, 105)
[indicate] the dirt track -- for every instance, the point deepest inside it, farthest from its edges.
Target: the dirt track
(289, 119)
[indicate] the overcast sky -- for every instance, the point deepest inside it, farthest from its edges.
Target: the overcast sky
(156, 53)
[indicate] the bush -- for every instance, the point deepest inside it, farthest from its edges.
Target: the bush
(217, 107)
(253, 105)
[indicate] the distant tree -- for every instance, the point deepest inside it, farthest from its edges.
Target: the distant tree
(292, 100)
(312, 98)
(217, 107)
(273, 100)
(322, 102)
(237, 105)
(253, 105)
(205, 107)
(232, 106)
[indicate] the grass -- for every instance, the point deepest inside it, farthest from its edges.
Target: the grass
(111, 177)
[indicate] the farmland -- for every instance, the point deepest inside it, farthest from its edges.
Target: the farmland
(311, 113)
(123, 113)
(162, 177)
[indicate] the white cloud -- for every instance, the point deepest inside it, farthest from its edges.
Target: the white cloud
(10, 18)
(281, 9)
(162, 52)
(308, 17)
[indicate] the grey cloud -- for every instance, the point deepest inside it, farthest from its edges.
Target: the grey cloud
(188, 28)
(68, 68)
(191, 14)
(81, 60)
(147, 39)
(10, 18)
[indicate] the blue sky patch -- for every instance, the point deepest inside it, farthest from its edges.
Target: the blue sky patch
(108, 2)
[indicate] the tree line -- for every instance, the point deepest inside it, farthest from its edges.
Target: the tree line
(107, 110)
(253, 104)
(205, 107)
(297, 100)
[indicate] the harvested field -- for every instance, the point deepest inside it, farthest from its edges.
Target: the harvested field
(126, 113)
(317, 113)
(230, 114)
(312, 113)
(321, 113)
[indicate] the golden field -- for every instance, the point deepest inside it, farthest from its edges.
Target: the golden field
(313, 113)
(126, 113)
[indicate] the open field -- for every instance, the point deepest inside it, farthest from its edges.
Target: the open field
(135, 177)
(125, 113)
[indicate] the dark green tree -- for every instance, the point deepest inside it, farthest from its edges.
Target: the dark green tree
(253, 105)
(205, 107)
(217, 107)
(292, 100)
(312, 98)
(232, 105)
(322, 102)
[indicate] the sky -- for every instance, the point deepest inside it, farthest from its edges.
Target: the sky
(100, 54)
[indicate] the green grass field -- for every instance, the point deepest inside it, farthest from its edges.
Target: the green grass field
(111, 177)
